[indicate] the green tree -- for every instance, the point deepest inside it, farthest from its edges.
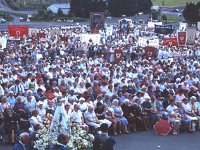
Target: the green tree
(191, 13)
(60, 13)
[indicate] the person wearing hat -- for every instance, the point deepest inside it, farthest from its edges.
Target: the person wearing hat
(77, 118)
(41, 109)
(82, 104)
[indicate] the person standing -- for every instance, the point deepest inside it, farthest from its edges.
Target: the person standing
(102, 140)
(62, 142)
(23, 143)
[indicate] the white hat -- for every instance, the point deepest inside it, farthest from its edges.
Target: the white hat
(81, 99)
(40, 103)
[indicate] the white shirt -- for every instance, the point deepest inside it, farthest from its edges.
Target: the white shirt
(171, 109)
(77, 116)
(35, 120)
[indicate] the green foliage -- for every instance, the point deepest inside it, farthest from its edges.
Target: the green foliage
(60, 13)
(164, 17)
(191, 13)
(155, 14)
(82, 8)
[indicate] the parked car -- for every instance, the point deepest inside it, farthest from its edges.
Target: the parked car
(2, 20)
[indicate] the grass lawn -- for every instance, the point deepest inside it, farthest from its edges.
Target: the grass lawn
(172, 19)
(31, 4)
(172, 3)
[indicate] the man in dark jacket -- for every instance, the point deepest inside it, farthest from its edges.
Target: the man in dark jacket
(102, 140)
(62, 142)
(23, 143)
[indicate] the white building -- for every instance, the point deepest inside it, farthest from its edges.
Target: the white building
(65, 7)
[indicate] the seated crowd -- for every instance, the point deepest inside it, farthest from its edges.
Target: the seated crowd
(130, 97)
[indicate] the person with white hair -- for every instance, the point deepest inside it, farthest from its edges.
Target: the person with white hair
(91, 118)
(23, 143)
(119, 114)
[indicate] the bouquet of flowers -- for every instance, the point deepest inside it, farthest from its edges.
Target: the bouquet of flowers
(80, 139)
(45, 139)
(47, 120)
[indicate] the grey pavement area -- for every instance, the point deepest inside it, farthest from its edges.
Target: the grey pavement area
(148, 140)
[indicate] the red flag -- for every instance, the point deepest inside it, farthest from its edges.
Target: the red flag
(181, 38)
(118, 55)
(150, 52)
(170, 42)
(18, 31)
(63, 38)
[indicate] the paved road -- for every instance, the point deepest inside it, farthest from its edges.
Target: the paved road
(6, 8)
(147, 140)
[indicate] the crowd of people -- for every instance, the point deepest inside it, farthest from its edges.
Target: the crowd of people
(128, 96)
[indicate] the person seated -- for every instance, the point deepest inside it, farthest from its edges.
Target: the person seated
(185, 122)
(10, 124)
(41, 109)
(23, 143)
(49, 93)
(195, 108)
(189, 113)
(62, 142)
(91, 118)
(102, 141)
(126, 108)
(50, 108)
(150, 111)
(173, 116)
(119, 114)
(4, 103)
(142, 120)
(24, 119)
(19, 106)
(116, 124)
(35, 118)
(39, 95)
(101, 113)
(77, 118)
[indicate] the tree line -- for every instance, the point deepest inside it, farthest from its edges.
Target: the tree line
(116, 8)
(191, 13)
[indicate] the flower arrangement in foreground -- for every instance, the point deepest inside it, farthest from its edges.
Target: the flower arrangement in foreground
(80, 139)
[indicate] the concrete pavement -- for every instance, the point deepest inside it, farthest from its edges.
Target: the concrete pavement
(147, 140)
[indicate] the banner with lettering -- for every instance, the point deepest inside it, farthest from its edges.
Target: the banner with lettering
(18, 30)
(142, 42)
(170, 42)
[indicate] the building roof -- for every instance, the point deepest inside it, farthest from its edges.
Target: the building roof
(60, 5)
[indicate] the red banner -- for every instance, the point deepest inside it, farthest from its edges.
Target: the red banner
(118, 55)
(150, 52)
(170, 42)
(41, 35)
(181, 38)
(17, 30)
(63, 38)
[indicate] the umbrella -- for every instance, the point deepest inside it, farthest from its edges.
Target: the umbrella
(162, 127)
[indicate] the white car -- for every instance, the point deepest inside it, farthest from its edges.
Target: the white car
(2, 20)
